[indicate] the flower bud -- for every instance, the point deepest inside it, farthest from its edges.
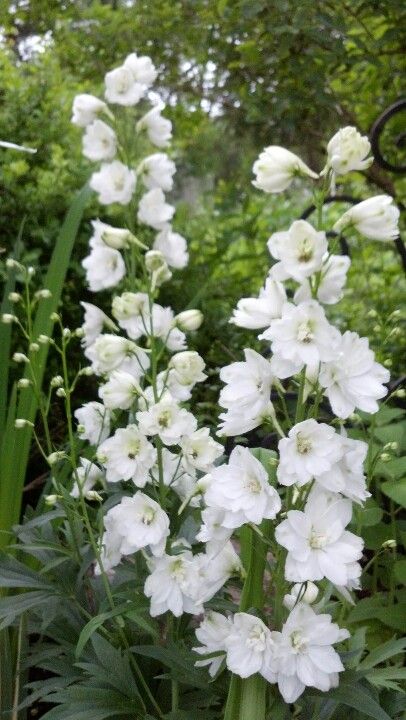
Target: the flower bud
(61, 392)
(79, 332)
(93, 495)
(44, 339)
(43, 294)
(66, 333)
(86, 371)
(401, 393)
(30, 271)
(372, 313)
(388, 362)
(391, 544)
(189, 320)
(51, 500)
(385, 457)
(14, 297)
(34, 347)
(391, 446)
(301, 592)
(12, 264)
(81, 429)
(20, 358)
(20, 423)
(23, 383)
(54, 317)
(8, 319)
(56, 381)
(55, 457)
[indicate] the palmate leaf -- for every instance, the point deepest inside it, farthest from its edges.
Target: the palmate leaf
(16, 443)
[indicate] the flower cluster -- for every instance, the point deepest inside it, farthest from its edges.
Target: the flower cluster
(151, 459)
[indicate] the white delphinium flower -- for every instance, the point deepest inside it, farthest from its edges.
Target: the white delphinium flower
(127, 455)
(157, 267)
(86, 108)
(87, 476)
(104, 234)
(163, 326)
(94, 422)
(304, 653)
(241, 488)
(301, 592)
(348, 150)
(93, 324)
(114, 182)
(302, 336)
(111, 352)
(99, 141)
(158, 128)
(352, 378)
(153, 210)
(120, 391)
(246, 396)
(250, 647)
(276, 167)
(157, 171)
(217, 565)
(212, 633)
(317, 543)
(310, 450)
(187, 367)
(212, 529)
(189, 320)
(199, 450)
(141, 522)
(110, 553)
(142, 69)
(333, 278)
(376, 218)
(173, 247)
(257, 313)
(122, 88)
(347, 475)
(166, 419)
(173, 585)
(300, 251)
(104, 267)
(132, 312)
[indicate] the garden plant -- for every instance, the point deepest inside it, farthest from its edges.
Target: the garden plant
(177, 570)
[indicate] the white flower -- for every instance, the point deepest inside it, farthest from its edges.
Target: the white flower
(310, 450)
(215, 567)
(173, 585)
(153, 210)
(317, 543)
(256, 313)
(87, 475)
(199, 450)
(187, 368)
(376, 218)
(111, 352)
(157, 171)
(86, 108)
(99, 141)
(163, 326)
(212, 528)
(352, 378)
(122, 88)
(142, 69)
(120, 391)
(103, 234)
(300, 251)
(212, 633)
(140, 522)
(167, 420)
(276, 168)
(304, 653)
(104, 267)
(114, 182)
(333, 278)
(301, 592)
(159, 129)
(250, 647)
(127, 455)
(173, 247)
(94, 422)
(246, 396)
(189, 320)
(301, 337)
(347, 475)
(241, 488)
(93, 323)
(110, 553)
(131, 310)
(347, 150)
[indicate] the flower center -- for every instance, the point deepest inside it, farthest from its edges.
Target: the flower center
(178, 570)
(147, 516)
(317, 541)
(305, 250)
(133, 449)
(303, 444)
(305, 332)
(256, 640)
(164, 419)
(298, 642)
(253, 485)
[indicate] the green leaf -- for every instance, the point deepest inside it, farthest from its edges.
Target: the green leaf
(372, 609)
(384, 652)
(267, 459)
(396, 490)
(14, 574)
(399, 569)
(357, 697)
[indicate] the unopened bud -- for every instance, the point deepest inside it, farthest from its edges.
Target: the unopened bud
(20, 358)
(87, 371)
(117, 238)
(12, 264)
(189, 320)
(401, 393)
(389, 544)
(372, 314)
(301, 592)
(51, 500)
(395, 332)
(44, 339)
(395, 314)
(8, 319)
(14, 297)
(30, 271)
(385, 457)
(377, 328)
(34, 347)
(54, 317)
(56, 381)
(81, 429)
(79, 332)
(391, 446)
(61, 392)
(93, 495)
(43, 294)
(388, 362)
(22, 423)
(23, 383)
(66, 333)
(55, 457)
